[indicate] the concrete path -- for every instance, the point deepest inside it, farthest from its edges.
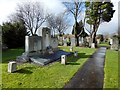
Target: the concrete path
(91, 75)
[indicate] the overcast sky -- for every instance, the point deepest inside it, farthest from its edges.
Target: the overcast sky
(8, 7)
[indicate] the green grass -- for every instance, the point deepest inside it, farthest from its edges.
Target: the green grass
(11, 54)
(104, 44)
(54, 75)
(111, 69)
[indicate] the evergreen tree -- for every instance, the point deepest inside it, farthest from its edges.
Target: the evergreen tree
(96, 13)
(13, 34)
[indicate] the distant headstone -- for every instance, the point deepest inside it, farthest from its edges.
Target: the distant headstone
(111, 41)
(60, 41)
(92, 45)
(71, 49)
(63, 59)
(98, 41)
(12, 66)
(72, 41)
(114, 43)
(65, 42)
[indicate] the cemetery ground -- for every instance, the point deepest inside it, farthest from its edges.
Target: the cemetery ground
(55, 75)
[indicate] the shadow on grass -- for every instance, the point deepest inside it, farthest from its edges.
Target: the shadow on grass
(25, 70)
(72, 63)
(72, 60)
(80, 56)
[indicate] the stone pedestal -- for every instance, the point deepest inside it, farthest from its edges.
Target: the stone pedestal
(63, 59)
(12, 66)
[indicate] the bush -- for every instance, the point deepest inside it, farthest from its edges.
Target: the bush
(13, 34)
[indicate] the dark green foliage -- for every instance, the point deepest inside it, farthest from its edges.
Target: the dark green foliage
(80, 30)
(100, 36)
(14, 34)
(96, 13)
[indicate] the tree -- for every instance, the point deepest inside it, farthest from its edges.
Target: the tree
(75, 8)
(100, 36)
(13, 34)
(96, 13)
(57, 23)
(32, 14)
(80, 30)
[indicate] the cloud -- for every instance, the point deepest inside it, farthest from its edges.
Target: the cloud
(8, 7)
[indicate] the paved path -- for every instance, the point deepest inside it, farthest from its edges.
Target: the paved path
(91, 75)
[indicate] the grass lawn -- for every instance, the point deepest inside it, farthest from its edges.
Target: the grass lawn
(104, 44)
(53, 75)
(111, 69)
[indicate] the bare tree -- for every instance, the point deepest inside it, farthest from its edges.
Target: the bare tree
(75, 8)
(32, 14)
(58, 23)
(51, 23)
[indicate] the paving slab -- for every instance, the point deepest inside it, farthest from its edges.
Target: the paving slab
(91, 75)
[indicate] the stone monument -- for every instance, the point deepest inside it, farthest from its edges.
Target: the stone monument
(41, 49)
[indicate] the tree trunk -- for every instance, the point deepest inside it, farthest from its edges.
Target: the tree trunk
(75, 33)
(31, 32)
(93, 37)
(77, 40)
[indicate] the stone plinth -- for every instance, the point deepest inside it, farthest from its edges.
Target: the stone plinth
(12, 66)
(63, 59)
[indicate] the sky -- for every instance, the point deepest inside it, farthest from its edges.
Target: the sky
(7, 7)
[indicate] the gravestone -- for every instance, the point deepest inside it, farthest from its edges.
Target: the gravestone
(60, 41)
(71, 48)
(114, 43)
(65, 42)
(98, 41)
(72, 41)
(45, 33)
(92, 45)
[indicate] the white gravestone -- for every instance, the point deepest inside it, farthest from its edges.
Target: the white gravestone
(65, 42)
(111, 41)
(63, 59)
(71, 49)
(72, 41)
(92, 45)
(12, 66)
